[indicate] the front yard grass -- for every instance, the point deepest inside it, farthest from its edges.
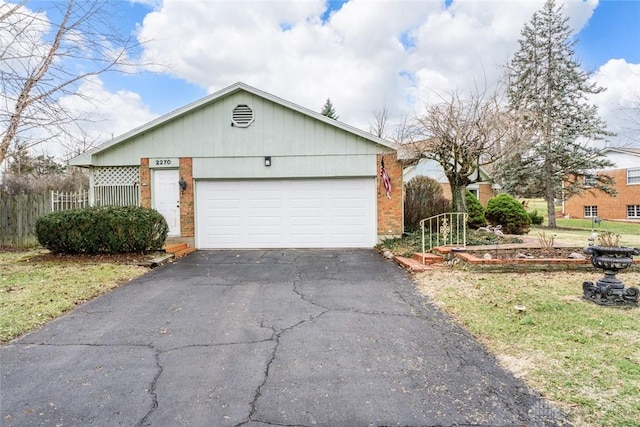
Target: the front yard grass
(33, 292)
(583, 357)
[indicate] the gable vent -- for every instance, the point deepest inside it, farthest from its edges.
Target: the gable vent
(242, 116)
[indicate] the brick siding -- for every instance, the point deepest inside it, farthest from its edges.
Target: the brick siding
(187, 218)
(485, 192)
(390, 210)
(145, 183)
(609, 207)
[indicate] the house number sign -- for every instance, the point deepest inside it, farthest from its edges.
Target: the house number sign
(164, 162)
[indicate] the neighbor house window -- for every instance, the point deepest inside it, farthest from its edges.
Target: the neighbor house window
(590, 211)
(633, 211)
(633, 176)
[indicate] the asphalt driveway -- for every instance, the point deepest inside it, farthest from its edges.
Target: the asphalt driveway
(257, 338)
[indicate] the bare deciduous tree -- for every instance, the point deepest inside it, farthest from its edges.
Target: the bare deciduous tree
(460, 134)
(379, 125)
(45, 56)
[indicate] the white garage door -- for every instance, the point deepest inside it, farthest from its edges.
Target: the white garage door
(295, 213)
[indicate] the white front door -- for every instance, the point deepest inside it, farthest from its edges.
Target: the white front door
(166, 197)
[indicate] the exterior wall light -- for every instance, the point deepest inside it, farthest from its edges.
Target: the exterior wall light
(267, 161)
(183, 184)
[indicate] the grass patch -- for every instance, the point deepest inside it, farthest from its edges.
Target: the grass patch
(629, 231)
(569, 232)
(34, 292)
(622, 228)
(583, 357)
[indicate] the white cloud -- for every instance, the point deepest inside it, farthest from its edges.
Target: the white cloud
(619, 105)
(368, 54)
(108, 113)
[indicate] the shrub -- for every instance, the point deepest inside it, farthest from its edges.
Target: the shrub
(424, 198)
(109, 229)
(536, 219)
(475, 210)
(506, 211)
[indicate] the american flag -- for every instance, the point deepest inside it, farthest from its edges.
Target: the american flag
(386, 181)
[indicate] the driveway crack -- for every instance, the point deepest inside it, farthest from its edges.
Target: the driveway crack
(152, 388)
(277, 334)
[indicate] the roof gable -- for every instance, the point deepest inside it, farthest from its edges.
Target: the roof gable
(629, 151)
(192, 108)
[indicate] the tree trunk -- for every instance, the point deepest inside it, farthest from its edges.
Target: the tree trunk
(551, 206)
(458, 201)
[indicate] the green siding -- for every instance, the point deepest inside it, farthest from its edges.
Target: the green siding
(285, 167)
(299, 144)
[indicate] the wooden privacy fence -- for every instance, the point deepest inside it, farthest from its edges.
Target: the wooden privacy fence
(18, 214)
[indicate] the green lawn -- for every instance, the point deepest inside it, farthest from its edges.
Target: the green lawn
(583, 357)
(33, 292)
(577, 231)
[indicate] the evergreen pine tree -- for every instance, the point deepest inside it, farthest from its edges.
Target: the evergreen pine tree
(547, 92)
(328, 110)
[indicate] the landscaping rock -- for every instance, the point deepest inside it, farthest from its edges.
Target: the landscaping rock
(523, 256)
(576, 255)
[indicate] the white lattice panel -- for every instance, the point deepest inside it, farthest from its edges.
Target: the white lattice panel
(116, 175)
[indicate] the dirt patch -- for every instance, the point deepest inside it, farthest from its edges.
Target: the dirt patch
(126, 258)
(12, 249)
(532, 253)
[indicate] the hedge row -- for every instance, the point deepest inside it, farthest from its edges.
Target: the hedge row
(109, 229)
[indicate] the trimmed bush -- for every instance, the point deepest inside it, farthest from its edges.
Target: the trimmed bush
(424, 198)
(506, 211)
(475, 210)
(108, 229)
(536, 219)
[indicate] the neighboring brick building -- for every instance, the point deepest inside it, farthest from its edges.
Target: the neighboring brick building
(626, 204)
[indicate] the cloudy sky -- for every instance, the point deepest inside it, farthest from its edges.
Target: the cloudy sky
(363, 54)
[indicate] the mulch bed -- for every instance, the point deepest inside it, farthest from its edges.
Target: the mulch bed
(127, 258)
(557, 253)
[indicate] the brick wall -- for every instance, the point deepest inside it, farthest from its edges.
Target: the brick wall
(390, 211)
(187, 222)
(145, 183)
(608, 207)
(485, 192)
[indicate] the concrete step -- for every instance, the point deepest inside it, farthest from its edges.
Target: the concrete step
(448, 250)
(411, 264)
(184, 252)
(178, 249)
(429, 258)
(175, 247)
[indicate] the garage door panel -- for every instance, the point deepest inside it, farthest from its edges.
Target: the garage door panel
(286, 213)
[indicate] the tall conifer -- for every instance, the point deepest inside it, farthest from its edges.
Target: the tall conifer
(328, 110)
(548, 94)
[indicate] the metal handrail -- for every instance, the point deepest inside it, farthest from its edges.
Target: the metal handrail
(443, 229)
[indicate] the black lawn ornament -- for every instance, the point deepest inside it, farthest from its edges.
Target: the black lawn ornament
(609, 290)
